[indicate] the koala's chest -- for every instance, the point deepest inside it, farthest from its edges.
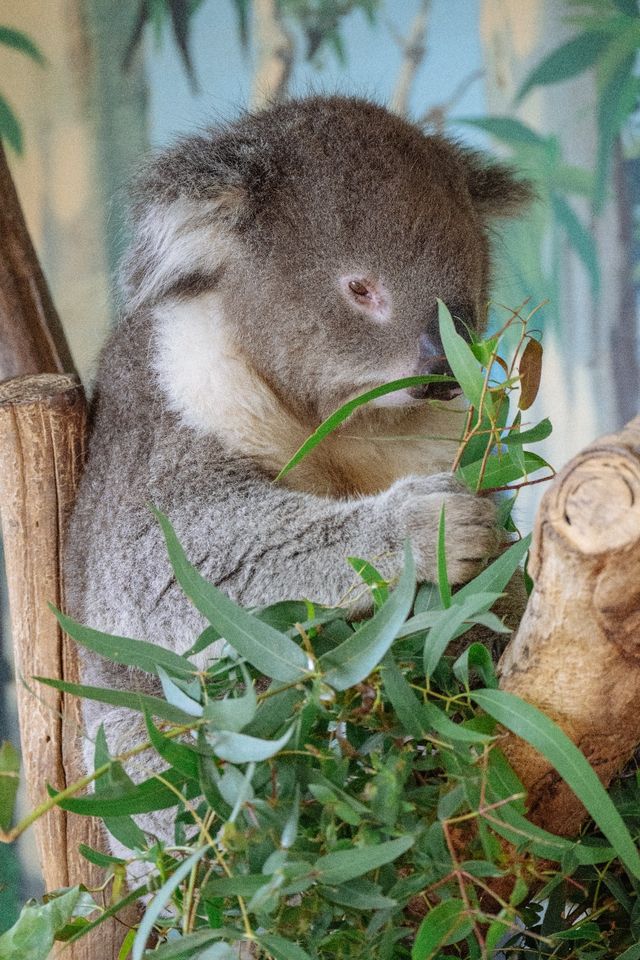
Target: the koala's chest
(368, 457)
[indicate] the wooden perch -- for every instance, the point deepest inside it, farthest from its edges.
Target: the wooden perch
(31, 336)
(576, 654)
(42, 445)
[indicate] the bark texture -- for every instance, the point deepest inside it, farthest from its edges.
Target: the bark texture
(42, 445)
(576, 655)
(31, 336)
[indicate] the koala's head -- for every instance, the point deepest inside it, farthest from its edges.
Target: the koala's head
(319, 233)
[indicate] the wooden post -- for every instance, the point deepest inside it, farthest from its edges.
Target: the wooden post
(31, 336)
(42, 447)
(576, 654)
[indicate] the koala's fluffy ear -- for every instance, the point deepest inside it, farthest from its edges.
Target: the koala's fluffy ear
(495, 188)
(187, 202)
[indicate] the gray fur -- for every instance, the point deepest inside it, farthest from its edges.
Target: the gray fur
(262, 217)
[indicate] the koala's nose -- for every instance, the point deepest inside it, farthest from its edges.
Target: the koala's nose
(432, 360)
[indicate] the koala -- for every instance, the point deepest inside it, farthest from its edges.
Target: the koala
(280, 266)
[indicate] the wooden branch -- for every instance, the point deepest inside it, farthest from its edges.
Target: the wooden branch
(414, 49)
(42, 446)
(576, 654)
(31, 336)
(275, 54)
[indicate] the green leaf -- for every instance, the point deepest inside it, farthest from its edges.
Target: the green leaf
(449, 625)
(567, 60)
(177, 697)
(178, 755)
(33, 934)
(508, 130)
(270, 651)
(281, 948)
(579, 237)
(239, 748)
(373, 579)
(444, 924)
(141, 702)
(123, 828)
(345, 411)
(132, 653)
(417, 718)
(145, 797)
(466, 369)
(97, 857)
(18, 40)
(10, 129)
(444, 588)
(477, 657)
(353, 660)
(496, 577)
(345, 865)
(233, 713)
(529, 723)
(501, 470)
(160, 901)
(364, 896)
(192, 944)
(9, 782)
(540, 432)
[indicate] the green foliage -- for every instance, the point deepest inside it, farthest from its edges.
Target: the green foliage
(608, 42)
(341, 835)
(10, 130)
(337, 790)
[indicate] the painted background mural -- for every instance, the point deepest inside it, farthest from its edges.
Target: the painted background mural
(87, 87)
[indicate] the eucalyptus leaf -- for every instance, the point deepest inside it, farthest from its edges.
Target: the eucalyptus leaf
(282, 949)
(345, 865)
(240, 748)
(9, 782)
(132, 653)
(233, 713)
(32, 935)
(123, 828)
(160, 901)
(345, 411)
(566, 61)
(446, 923)
(270, 651)
(141, 702)
(353, 660)
(466, 369)
(529, 723)
(177, 697)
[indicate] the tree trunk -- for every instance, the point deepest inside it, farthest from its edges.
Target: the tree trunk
(42, 446)
(31, 336)
(576, 654)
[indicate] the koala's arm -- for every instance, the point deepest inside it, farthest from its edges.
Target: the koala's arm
(267, 543)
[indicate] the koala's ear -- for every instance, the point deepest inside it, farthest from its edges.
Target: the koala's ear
(495, 188)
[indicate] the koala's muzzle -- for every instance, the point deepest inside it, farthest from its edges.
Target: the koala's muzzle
(432, 360)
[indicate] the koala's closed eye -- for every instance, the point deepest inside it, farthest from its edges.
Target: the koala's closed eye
(368, 295)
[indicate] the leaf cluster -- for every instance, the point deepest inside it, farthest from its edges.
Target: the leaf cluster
(336, 789)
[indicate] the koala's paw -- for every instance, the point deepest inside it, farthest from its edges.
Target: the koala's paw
(471, 532)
